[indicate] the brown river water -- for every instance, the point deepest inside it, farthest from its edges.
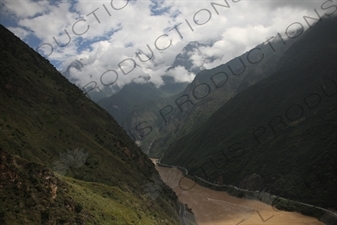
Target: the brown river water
(219, 208)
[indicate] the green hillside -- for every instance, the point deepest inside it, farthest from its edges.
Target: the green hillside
(47, 123)
(278, 135)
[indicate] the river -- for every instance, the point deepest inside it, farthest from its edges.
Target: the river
(219, 208)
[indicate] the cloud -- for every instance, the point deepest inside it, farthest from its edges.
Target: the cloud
(302, 4)
(180, 74)
(24, 9)
(106, 35)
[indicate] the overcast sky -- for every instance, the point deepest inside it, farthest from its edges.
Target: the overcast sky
(104, 35)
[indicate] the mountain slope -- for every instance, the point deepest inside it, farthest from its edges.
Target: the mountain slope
(279, 134)
(134, 94)
(170, 118)
(120, 104)
(184, 59)
(49, 123)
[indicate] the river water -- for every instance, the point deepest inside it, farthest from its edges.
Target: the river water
(219, 208)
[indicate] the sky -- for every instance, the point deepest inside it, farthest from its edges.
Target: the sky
(107, 35)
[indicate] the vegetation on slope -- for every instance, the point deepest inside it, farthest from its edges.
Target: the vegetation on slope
(44, 118)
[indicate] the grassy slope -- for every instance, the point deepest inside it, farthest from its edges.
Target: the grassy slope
(286, 161)
(27, 198)
(42, 114)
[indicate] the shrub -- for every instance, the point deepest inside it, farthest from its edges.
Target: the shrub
(78, 208)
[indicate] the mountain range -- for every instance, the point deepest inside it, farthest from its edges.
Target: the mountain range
(135, 94)
(264, 121)
(277, 135)
(170, 87)
(158, 123)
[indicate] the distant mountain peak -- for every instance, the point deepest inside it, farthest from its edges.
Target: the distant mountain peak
(142, 79)
(183, 59)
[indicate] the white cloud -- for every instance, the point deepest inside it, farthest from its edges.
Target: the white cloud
(28, 8)
(180, 74)
(111, 36)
